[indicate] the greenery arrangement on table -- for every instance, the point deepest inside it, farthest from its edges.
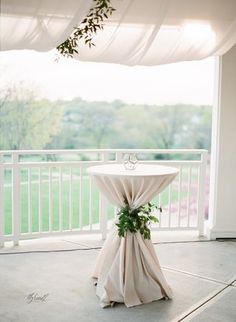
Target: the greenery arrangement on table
(137, 219)
(90, 25)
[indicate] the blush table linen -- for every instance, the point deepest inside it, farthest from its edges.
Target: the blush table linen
(127, 268)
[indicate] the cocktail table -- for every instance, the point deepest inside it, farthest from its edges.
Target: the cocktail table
(127, 269)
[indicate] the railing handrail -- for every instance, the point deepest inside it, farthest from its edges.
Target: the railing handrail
(69, 151)
(92, 162)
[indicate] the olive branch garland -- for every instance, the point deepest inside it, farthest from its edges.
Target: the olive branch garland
(89, 26)
(137, 219)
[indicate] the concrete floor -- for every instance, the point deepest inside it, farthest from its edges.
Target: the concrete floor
(201, 273)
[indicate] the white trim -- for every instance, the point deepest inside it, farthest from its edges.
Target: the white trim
(215, 144)
(221, 222)
(214, 233)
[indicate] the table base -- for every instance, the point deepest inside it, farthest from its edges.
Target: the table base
(128, 271)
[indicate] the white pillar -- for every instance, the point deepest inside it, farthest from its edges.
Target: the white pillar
(222, 210)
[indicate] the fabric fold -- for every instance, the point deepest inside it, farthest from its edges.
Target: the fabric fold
(128, 271)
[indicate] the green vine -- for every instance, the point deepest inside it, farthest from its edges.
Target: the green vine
(137, 219)
(93, 22)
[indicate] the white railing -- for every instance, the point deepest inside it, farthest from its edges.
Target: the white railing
(48, 192)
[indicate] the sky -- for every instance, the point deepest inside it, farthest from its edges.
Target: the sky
(185, 82)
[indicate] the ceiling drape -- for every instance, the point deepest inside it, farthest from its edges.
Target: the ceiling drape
(39, 24)
(149, 32)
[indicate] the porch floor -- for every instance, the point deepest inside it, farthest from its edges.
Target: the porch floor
(201, 273)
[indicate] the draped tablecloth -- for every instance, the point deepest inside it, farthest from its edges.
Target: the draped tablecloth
(127, 269)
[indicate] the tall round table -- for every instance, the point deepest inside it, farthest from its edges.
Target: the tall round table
(127, 268)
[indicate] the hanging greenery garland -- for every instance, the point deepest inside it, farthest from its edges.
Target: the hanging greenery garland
(93, 22)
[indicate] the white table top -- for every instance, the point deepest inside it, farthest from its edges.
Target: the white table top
(141, 170)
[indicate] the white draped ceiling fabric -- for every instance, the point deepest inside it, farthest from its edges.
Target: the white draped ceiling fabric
(149, 32)
(39, 24)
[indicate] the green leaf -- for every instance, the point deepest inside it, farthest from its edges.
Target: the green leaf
(93, 22)
(135, 220)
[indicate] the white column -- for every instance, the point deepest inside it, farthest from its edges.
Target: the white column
(222, 210)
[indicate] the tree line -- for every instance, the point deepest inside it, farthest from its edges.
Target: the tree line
(27, 122)
(120, 125)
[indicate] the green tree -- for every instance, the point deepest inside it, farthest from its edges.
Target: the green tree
(86, 125)
(199, 134)
(25, 121)
(120, 125)
(167, 126)
(131, 127)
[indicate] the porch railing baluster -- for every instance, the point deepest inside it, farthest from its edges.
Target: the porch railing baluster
(16, 205)
(201, 193)
(189, 194)
(2, 221)
(179, 195)
(29, 201)
(81, 198)
(90, 203)
(50, 201)
(40, 199)
(169, 204)
(70, 197)
(60, 199)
